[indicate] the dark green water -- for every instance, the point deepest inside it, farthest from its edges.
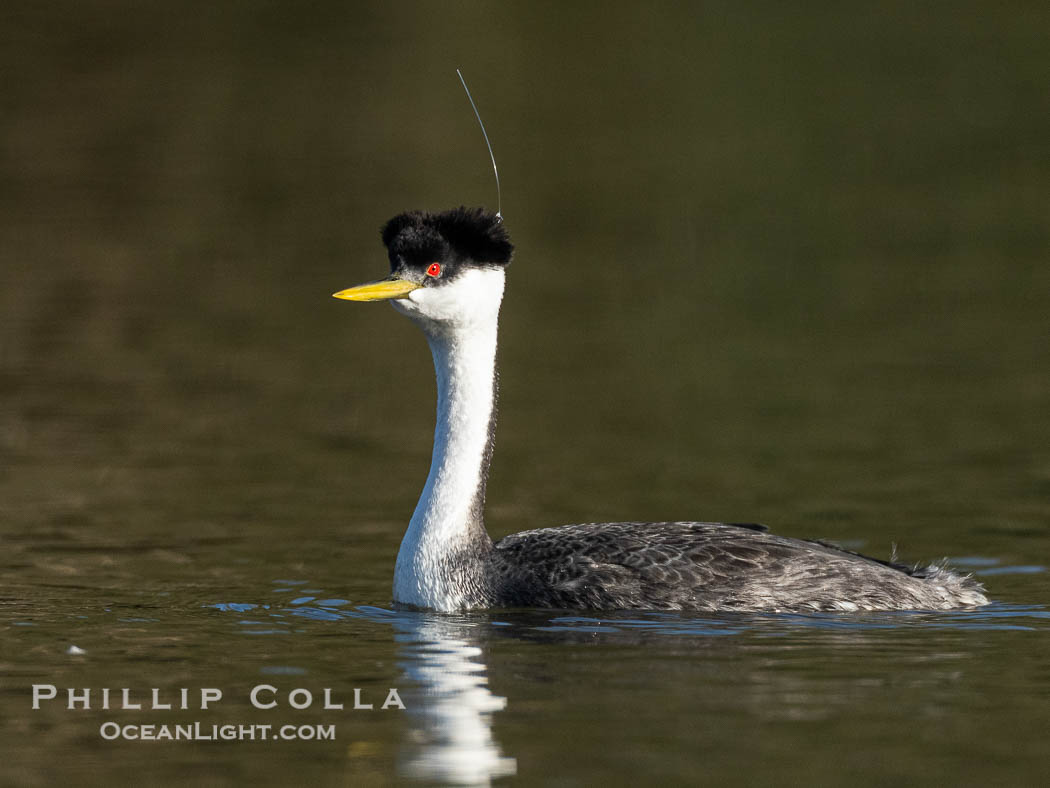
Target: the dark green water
(777, 264)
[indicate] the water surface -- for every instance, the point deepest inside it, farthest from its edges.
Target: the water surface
(786, 267)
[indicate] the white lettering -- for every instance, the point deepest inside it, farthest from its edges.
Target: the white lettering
(210, 695)
(328, 700)
(72, 697)
(357, 700)
(38, 693)
(126, 703)
(157, 705)
(255, 696)
(393, 699)
(300, 692)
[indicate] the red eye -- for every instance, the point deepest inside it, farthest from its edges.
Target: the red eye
(434, 269)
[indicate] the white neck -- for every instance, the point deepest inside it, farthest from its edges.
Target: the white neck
(439, 565)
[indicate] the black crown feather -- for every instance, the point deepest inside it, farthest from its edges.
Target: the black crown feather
(472, 233)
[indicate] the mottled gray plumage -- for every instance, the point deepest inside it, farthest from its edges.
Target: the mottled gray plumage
(705, 567)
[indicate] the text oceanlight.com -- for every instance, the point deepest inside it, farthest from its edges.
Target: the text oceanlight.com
(197, 731)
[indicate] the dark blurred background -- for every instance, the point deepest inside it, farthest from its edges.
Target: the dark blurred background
(758, 246)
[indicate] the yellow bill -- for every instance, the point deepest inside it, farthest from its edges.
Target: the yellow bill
(378, 291)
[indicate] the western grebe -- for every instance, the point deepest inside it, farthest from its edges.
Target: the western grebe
(447, 275)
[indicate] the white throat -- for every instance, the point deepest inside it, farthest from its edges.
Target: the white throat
(439, 565)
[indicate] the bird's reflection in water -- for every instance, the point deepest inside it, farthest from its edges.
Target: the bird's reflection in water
(450, 706)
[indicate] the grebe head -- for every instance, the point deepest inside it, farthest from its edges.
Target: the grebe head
(446, 269)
